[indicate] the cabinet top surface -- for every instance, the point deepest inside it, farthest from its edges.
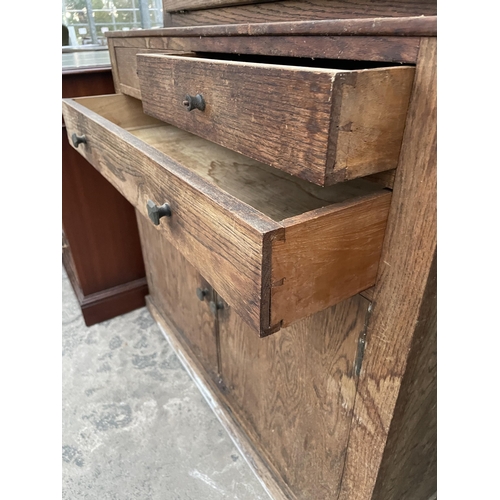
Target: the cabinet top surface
(400, 26)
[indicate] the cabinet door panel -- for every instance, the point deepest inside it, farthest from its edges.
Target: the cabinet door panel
(293, 392)
(172, 286)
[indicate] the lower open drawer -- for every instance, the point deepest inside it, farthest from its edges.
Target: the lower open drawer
(276, 248)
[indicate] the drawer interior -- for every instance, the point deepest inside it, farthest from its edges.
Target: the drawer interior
(272, 192)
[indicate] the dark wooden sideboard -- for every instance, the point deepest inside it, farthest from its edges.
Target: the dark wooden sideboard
(101, 248)
(301, 297)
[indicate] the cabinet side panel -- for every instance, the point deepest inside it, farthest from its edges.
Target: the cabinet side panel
(409, 464)
(405, 266)
(292, 393)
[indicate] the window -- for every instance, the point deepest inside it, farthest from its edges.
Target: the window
(88, 20)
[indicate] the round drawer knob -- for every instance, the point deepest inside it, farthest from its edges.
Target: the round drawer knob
(78, 139)
(155, 212)
(194, 102)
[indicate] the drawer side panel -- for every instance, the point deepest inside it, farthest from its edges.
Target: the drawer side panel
(327, 257)
(369, 117)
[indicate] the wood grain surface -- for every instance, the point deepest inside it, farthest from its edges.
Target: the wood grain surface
(340, 246)
(293, 393)
(368, 119)
(372, 26)
(359, 48)
(409, 464)
(172, 287)
(173, 5)
(398, 301)
(270, 191)
(229, 240)
(320, 124)
(297, 10)
(126, 68)
(215, 231)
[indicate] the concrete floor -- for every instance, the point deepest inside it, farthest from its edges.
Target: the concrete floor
(134, 424)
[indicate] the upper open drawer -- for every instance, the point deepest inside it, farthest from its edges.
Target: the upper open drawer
(276, 248)
(321, 124)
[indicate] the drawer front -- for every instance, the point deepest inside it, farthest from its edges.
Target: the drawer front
(322, 125)
(214, 232)
(272, 271)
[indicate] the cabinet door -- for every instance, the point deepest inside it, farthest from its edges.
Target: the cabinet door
(173, 285)
(293, 392)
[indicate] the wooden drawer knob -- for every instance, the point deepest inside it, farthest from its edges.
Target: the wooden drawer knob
(196, 102)
(78, 139)
(155, 212)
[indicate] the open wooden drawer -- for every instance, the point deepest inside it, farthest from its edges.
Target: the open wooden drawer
(323, 121)
(276, 248)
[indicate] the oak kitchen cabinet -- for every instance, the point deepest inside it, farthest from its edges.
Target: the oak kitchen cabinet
(300, 295)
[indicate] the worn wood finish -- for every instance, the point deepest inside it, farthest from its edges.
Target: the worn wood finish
(228, 240)
(114, 65)
(172, 286)
(126, 68)
(174, 5)
(398, 303)
(341, 246)
(409, 465)
(340, 404)
(293, 393)
(235, 237)
(366, 137)
(398, 27)
(272, 192)
(386, 49)
(322, 125)
(293, 10)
